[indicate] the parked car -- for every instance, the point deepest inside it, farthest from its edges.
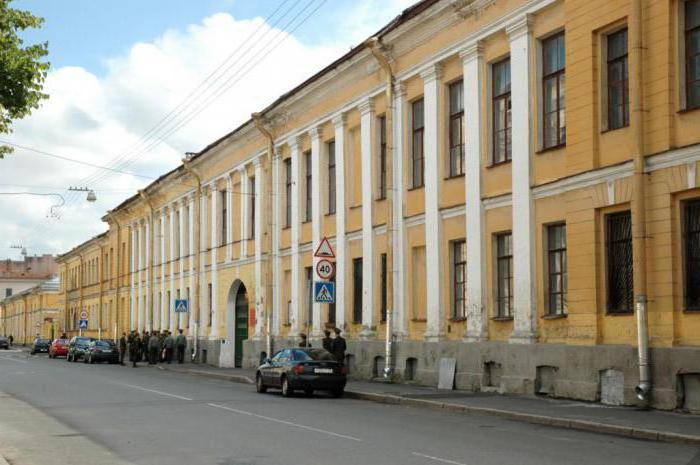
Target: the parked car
(303, 369)
(59, 348)
(77, 347)
(4, 343)
(102, 351)
(40, 345)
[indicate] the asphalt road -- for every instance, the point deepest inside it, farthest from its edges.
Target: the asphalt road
(150, 416)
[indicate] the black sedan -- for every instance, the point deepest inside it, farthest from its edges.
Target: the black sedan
(4, 343)
(102, 351)
(77, 348)
(302, 369)
(40, 345)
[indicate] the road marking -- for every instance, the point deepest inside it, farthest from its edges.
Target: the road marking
(437, 459)
(12, 359)
(288, 423)
(154, 391)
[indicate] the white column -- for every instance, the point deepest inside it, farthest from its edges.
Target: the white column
(172, 322)
(183, 235)
(435, 328)
(243, 176)
(259, 285)
(525, 297)
(148, 310)
(316, 135)
(134, 261)
(399, 268)
(203, 298)
(192, 252)
(277, 303)
(294, 143)
(339, 122)
(229, 218)
(477, 324)
(367, 150)
(141, 325)
(163, 295)
(214, 273)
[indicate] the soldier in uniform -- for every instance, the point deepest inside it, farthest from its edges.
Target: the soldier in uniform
(122, 348)
(169, 345)
(180, 346)
(339, 346)
(304, 341)
(144, 346)
(327, 341)
(153, 350)
(135, 349)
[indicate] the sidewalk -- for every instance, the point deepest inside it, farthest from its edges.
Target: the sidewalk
(620, 421)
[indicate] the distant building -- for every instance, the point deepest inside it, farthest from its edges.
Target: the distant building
(19, 275)
(32, 312)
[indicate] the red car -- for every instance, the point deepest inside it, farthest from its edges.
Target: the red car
(59, 348)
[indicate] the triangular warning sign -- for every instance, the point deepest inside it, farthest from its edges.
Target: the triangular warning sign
(324, 249)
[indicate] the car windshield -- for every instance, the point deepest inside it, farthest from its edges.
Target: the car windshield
(62, 341)
(312, 354)
(43, 341)
(103, 344)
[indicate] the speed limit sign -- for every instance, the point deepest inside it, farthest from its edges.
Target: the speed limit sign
(325, 269)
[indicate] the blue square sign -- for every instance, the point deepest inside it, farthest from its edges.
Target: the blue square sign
(324, 292)
(181, 306)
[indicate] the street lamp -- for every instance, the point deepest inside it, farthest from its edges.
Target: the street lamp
(91, 197)
(52, 214)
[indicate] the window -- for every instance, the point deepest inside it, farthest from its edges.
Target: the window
(176, 234)
(504, 275)
(457, 129)
(8, 291)
(619, 262)
(309, 294)
(331, 307)
(383, 302)
(556, 270)
(459, 279)
(382, 158)
(618, 91)
(502, 138)
(417, 145)
(692, 255)
(288, 192)
(307, 165)
(331, 178)
(692, 54)
(357, 290)
(224, 218)
(554, 91)
(251, 208)
(210, 301)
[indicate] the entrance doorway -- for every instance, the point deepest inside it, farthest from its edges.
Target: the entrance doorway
(241, 324)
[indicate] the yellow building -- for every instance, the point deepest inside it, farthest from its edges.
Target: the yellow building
(32, 313)
(522, 191)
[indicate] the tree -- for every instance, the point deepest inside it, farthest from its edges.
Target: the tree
(22, 69)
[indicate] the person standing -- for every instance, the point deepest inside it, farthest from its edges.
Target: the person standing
(339, 346)
(122, 348)
(304, 341)
(135, 349)
(144, 346)
(169, 344)
(180, 346)
(327, 341)
(11, 339)
(153, 350)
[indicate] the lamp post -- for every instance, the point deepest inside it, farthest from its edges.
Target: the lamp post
(91, 197)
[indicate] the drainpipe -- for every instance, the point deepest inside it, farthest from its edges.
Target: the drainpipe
(186, 163)
(110, 214)
(644, 389)
(266, 206)
(101, 265)
(149, 258)
(378, 51)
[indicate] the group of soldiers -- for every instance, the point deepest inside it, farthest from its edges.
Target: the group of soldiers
(335, 345)
(152, 347)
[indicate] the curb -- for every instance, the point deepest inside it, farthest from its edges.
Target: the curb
(579, 425)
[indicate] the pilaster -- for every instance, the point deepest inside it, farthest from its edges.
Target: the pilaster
(367, 153)
(340, 126)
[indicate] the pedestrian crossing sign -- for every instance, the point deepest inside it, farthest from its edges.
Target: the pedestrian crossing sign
(83, 324)
(324, 292)
(181, 306)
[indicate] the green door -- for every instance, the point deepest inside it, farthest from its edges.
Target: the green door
(241, 324)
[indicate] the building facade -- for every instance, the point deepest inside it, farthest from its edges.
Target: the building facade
(19, 275)
(32, 313)
(523, 193)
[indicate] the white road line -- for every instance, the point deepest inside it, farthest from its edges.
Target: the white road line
(288, 423)
(153, 391)
(437, 459)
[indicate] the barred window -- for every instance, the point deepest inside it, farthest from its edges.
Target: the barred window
(357, 290)
(224, 218)
(331, 177)
(382, 158)
(417, 175)
(554, 91)
(459, 279)
(618, 80)
(383, 287)
(504, 275)
(501, 112)
(557, 271)
(692, 255)
(692, 53)
(251, 208)
(457, 128)
(307, 165)
(288, 192)
(619, 262)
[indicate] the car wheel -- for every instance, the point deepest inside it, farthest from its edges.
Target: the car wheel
(287, 391)
(308, 392)
(259, 386)
(338, 392)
